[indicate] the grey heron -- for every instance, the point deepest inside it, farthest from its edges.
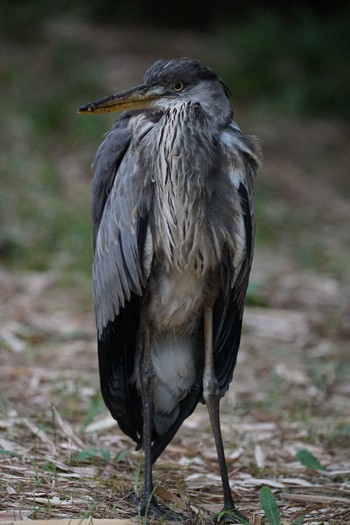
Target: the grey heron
(173, 223)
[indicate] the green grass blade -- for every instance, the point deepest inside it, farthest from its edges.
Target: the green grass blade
(10, 453)
(240, 520)
(269, 505)
(299, 521)
(93, 453)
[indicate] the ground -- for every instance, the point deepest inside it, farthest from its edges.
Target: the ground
(61, 455)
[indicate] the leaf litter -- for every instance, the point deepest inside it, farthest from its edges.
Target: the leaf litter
(42, 434)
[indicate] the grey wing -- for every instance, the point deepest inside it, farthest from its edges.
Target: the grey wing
(120, 217)
(240, 161)
(121, 236)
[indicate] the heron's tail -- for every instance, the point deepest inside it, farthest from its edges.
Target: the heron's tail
(174, 374)
(184, 410)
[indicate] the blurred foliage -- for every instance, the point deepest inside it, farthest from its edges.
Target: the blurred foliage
(43, 223)
(25, 16)
(278, 60)
(297, 66)
(289, 58)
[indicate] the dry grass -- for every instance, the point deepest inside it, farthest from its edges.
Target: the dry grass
(289, 393)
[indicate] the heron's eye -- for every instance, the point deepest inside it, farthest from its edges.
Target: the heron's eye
(178, 86)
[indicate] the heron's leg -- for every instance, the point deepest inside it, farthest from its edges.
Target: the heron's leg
(147, 403)
(211, 396)
(149, 506)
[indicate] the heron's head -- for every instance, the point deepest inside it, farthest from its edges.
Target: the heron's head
(167, 83)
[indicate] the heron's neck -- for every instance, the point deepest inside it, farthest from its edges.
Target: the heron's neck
(182, 149)
(180, 163)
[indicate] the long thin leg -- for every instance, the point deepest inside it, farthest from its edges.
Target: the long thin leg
(149, 506)
(211, 396)
(147, 401)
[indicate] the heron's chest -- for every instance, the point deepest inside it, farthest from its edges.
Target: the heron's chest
(175, 300)
(181, 235)
(180, 158)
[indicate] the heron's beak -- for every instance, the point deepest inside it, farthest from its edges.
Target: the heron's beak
(139, 97)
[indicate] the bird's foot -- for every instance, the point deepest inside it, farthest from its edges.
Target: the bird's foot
(150, 509)
(231, 515)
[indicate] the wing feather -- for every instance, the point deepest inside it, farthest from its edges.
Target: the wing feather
(117, 266)
(241, 157)
(120, 217)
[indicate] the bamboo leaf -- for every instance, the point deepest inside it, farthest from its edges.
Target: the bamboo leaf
(269, 505)
(307, 459)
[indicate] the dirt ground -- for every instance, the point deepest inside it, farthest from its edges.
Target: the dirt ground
(61, 455)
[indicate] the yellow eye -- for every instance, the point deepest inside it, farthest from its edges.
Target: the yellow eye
(178, 86)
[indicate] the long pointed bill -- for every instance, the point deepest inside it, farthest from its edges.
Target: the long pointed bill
(139, 97)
